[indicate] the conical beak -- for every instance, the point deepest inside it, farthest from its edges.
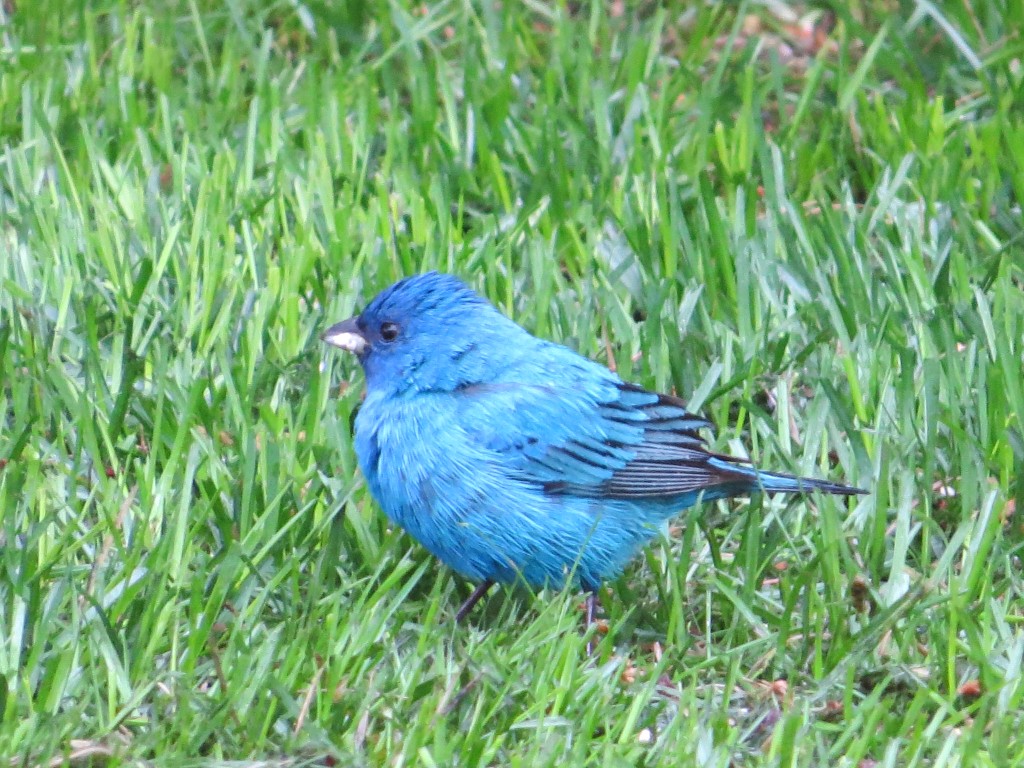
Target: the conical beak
(346, 335)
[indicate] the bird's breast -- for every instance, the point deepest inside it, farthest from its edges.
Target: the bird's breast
(411, 454)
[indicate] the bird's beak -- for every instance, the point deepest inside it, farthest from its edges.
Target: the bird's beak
(346, 335)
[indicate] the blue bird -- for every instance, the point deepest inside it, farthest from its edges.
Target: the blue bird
(510, 457)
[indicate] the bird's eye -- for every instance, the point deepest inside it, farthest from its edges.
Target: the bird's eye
(389, 331)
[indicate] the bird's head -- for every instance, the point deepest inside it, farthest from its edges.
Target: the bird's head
(427, 332)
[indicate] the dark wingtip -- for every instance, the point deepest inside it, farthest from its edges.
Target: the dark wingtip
(834, 488)
(846, 490)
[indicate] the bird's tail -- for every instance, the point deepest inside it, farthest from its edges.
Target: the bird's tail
(775, 482)
(779, 482)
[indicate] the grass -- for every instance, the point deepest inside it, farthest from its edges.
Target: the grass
(816, 240)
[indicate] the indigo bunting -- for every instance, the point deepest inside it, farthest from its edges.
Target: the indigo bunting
(511, 457)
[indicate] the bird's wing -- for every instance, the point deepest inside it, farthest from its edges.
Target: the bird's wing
(615, 440)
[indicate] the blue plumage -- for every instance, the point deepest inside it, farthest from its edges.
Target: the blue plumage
(511, 457)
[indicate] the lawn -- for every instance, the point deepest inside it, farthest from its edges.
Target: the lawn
(805, 220)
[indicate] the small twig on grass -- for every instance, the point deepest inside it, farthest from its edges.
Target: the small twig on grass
(108, 543)
(307, 700)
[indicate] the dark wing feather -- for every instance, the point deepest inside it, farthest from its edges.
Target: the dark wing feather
(615, 441)
(668, 458)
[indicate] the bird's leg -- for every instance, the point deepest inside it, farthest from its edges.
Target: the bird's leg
(478, 593)
(592, 603)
